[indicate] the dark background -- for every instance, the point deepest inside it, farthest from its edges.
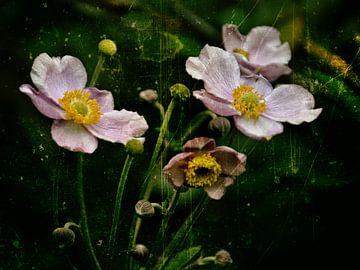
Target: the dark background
(295, 207)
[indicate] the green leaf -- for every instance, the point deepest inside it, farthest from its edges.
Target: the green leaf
(183, 257)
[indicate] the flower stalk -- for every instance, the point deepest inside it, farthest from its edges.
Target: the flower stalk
(97, 70)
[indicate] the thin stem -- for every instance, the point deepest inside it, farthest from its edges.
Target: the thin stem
(160, 107)
(118, 200)
(97, 70)
(55, 195)
(83, 217)
(196, 122)
(182, 233)
(149, 182)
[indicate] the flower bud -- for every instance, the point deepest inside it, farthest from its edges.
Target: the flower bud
(144, 209)
(223, 258)
(140, 251)
(180, 91)
(220, 125)
(134, 147)
(108, 47)
(64, 237)
(149, 95)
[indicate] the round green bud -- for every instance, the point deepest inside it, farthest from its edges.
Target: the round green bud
(144, 209)
(64, 237)
(220, 126)
(180, 91)
(140, 251)
(134, 147)
(108, 47)
(149, 95)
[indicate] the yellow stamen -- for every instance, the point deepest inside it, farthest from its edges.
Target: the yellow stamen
(80, 108)
(202, 171)
(248, 102)
(242, 52)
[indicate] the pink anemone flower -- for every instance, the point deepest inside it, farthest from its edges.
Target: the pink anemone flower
(260, 52)
(81, 115)
(256, 107)
(202, 164)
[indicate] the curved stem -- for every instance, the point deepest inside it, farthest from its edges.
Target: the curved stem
(97, 70)
(118, 200)
(83, 217)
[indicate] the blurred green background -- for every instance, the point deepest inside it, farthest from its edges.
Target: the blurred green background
(296, 205)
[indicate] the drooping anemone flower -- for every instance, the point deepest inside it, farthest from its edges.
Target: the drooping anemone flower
(81, 115)
(256, 107)
(203, 165)
(260, 52)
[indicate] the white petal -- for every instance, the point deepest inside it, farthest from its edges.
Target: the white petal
(260, 129)
(53, 76)
(218, 69)
(291, 103)
(215, 104)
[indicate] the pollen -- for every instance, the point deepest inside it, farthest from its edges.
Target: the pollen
(202, 171)
(248, 102)
(80, 108)
(242, 52)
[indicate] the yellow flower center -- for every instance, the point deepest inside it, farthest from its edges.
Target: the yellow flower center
(202, 171)
(79, 108)
(249, 103)
(242, 52)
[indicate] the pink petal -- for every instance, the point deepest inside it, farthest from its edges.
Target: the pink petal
(199, 144)
(53, 76)
(291, 103)
(44, 104)
(232, 162)
(261, 85)
(73, 137)
(174, 170)
(215, 104)
(232, 38)
(273, 71)
(217, 68)
(103, 97)
(264, 46)
(119, 126)
(217, 190)
(259, 129)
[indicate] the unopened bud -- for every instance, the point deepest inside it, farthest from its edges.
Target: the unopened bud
(140, 251)
(134, 147)
(149, 95)
(223, 258)
(64, 237)
(180, 91)
(220, 125)
(144, 209)
(108, 47)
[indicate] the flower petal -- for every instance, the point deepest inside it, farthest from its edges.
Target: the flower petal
(217, 190)
(232, 38)
(199, 144)
(232, 162)
(174, 170)
(103, 98)
(217, 68)
(259, 129)
(261, 85)
(44, 104)
(215, 104)
(119, 126)
(73, 137)
(53, 76)
(264, 46)
(291, 103)
(273, 71)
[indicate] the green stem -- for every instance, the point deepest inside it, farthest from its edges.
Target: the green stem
(149, 182)
(97, 70)
(55, 195)
(169, 211)
(83, 217)
(195, 123)
(182, 233)
(118, 200)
